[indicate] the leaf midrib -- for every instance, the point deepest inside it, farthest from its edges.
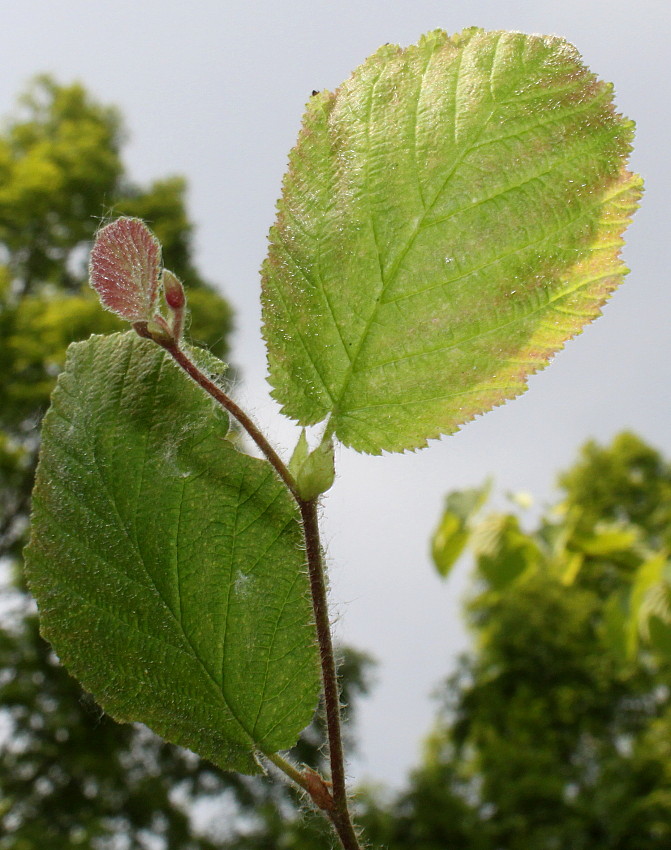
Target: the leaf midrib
(190, 649)
(387, 279)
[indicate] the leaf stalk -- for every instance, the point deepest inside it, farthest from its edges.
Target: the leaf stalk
(183, 360)
(335, 808)
(340, 816)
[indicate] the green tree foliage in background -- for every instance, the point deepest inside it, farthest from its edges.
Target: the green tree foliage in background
(555, 732)
(70, 777)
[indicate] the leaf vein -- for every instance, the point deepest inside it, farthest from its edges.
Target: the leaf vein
(337, 400)
(264, 687)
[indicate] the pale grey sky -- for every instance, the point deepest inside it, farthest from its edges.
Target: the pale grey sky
(215, 91)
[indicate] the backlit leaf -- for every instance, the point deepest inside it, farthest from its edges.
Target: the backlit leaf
(503, 551)
(450, 217)
(605, 540)
(451, 536)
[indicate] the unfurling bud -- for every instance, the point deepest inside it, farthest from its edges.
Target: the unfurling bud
(126, 273)
(176, 301)
(173, 290)
(314, 472)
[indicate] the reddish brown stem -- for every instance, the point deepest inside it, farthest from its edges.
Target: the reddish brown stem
(338, 812)
(228, 404)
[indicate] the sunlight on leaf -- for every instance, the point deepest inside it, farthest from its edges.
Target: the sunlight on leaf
(450, 217)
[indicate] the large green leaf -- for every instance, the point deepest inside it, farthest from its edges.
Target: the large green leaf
(451, 215)
(167, 566)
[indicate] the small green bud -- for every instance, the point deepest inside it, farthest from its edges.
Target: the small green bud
(158, 330)
(299, 455)
(317, 471)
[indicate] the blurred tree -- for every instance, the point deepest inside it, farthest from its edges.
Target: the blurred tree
(555, 732)
(70, 777)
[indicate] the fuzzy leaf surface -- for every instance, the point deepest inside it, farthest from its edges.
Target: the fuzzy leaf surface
(125, 266)
(450, 217)
(167, 566)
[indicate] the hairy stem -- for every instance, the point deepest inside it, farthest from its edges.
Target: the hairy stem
(340, 814)
(288, 769)
(228, 404)
(332, 803)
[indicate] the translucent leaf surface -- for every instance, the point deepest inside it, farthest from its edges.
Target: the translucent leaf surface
(167, 566)
(450, 216)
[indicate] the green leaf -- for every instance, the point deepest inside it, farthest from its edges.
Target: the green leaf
(660, 635)
(448, 543)
(451, 536)
(605, 540)
(504, 552)
(647, 577)
(450, 217)
(502, 569)
(167, 566)
(570, 565)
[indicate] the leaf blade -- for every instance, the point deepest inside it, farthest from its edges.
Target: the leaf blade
(420, 267)
(124, 268)
(175, 556)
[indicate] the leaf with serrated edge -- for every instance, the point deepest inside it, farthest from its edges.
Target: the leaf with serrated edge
(450, 217)
(168, 566)
(124, 268)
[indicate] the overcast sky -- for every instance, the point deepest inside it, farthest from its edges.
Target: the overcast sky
(215, 91)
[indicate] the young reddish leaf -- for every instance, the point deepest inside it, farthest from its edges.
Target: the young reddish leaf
(125, 264)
